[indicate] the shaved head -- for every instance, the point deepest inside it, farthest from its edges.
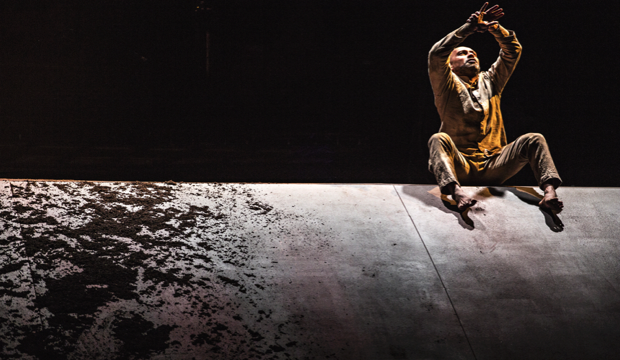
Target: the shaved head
(464, 62)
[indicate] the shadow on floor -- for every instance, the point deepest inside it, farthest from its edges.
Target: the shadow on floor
(530, 196)
(435, 198)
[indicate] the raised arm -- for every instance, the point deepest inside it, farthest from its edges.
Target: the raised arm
(509, 56)
(439, 56)
(486, 20)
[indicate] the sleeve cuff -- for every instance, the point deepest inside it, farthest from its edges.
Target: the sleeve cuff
(500, 32)
(464, 31)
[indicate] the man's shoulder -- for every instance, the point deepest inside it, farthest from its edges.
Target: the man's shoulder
(486, 76)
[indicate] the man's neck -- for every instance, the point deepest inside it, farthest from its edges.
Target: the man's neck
(469, 80)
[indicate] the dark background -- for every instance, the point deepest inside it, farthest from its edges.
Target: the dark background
(296, 91)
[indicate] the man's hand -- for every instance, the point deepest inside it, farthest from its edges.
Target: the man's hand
(485, 19)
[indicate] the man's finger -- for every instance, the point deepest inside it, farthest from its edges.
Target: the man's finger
(492, 8)
(480, 16)
(484, 7)
(494, 15)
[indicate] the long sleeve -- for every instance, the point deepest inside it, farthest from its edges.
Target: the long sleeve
(439, 70)
(509, 56)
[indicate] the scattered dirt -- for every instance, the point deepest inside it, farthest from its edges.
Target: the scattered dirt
(134, 270)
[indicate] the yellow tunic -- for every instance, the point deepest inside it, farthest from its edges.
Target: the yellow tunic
(472, 116)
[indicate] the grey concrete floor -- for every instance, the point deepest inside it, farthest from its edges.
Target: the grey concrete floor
(92, 270)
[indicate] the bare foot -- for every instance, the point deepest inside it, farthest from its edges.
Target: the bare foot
(550, 200)
(463, 201)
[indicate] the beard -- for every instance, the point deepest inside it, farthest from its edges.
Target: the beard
(469, 70)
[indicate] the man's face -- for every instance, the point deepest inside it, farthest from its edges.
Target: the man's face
(464, 62)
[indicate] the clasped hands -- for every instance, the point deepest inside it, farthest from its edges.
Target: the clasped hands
(485, 19)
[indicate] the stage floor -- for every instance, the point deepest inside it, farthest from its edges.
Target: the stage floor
(107, 270)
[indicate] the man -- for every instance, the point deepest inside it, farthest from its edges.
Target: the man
(471, 145)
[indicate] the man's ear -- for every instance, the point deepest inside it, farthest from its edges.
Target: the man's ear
(450, 60)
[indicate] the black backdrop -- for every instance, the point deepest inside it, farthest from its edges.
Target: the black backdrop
(296, 91)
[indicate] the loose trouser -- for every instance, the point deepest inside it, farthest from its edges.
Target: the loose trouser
(449, 165)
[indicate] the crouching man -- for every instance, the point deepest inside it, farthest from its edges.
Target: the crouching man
(471, 146)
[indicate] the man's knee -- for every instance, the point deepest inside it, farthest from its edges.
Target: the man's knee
(440, 138)
(535, 138)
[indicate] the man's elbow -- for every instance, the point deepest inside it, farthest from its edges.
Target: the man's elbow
(432, 59)
(433, 53)
(518, 49)
(513, 53)
(517, 52)
(437, 56)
